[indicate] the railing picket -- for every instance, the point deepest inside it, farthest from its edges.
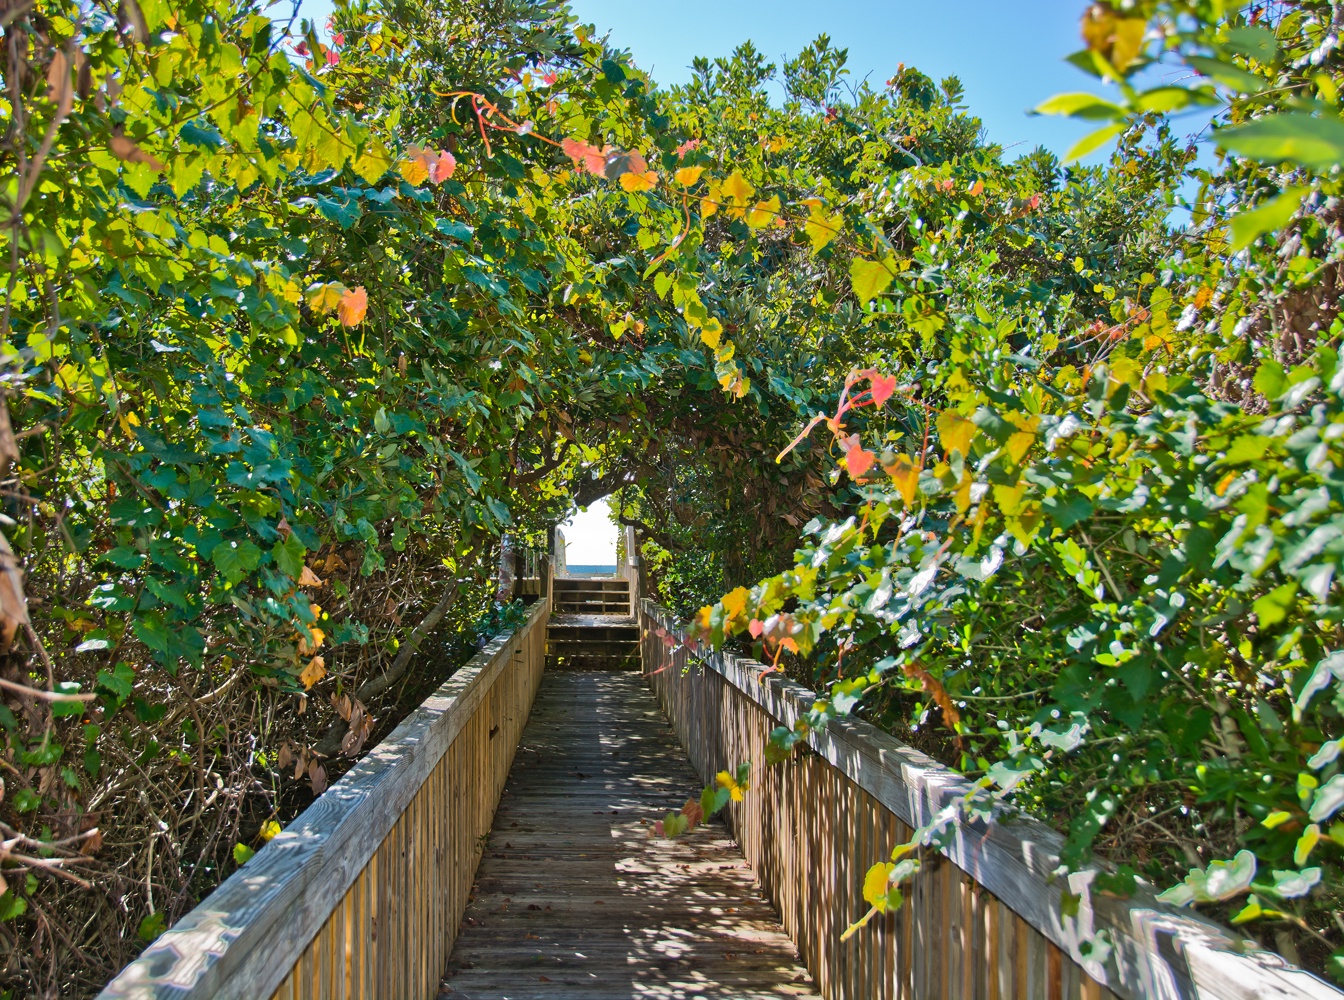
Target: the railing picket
(983, 919)
(382, 862)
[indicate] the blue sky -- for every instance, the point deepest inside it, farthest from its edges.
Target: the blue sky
(1008, 55)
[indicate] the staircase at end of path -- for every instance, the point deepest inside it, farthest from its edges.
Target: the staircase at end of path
(591, 626)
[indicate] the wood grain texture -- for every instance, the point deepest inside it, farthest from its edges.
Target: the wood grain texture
(724, 707)
(574, 900)
(361, 853)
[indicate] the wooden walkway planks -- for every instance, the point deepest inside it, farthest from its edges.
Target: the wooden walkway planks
(572, 898)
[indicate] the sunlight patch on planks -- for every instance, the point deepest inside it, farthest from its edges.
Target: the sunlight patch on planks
(572, 899)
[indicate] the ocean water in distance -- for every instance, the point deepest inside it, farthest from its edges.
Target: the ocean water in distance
(580, 569)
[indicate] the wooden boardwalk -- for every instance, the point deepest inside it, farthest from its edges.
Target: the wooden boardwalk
(573, 899)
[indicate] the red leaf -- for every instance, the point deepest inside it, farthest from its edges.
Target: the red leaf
(756, 628)
(883, 387)
(858, 461)
(585, 156)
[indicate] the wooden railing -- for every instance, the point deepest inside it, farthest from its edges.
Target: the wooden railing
(361, 896)
(982, 921)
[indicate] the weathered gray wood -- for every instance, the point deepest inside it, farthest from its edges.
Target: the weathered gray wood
(573, 899)
(245, 938)
(1159, 951)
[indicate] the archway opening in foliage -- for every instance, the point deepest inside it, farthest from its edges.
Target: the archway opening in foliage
(590, 539)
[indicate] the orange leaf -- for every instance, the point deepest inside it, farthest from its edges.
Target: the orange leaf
(415, 170)
(125, 149)
(308, 649)
(314, 672)
(353, 306)
(309, 579)
(585, 156)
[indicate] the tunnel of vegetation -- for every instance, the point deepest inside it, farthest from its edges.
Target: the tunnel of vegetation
(299, 325)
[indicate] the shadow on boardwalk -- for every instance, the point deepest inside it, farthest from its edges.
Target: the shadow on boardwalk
(572, 899)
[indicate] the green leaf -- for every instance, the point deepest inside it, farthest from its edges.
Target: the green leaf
(289, 555)
(118, 683)
(869, 278)
(12, 905)
(242, 854)
(1078, 105)
(1093, 141)
(343, 211)
(26, 800)
(1316, 142)
(1254, 41)
(1230, 76)
(1247, 448)
(236, 559)
(1268, 217)
(472, 476)
(1270, 380)
(459, 231)
(151, 927)
(1273, 607)
(204, 135)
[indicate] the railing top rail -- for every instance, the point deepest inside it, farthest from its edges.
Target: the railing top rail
(1148, 949)
(244, 938)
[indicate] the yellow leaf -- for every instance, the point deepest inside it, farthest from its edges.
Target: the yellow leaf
(373, 162)
(735, 603)
(869, 278)
(687, 176)
(875, 885)
(1114, 37)
(324, 297)
(1022, 440)
(725, 353)
(1305, 844)
(709, 204)
(1024, 525)
(1009, 498)
(738, 188)
(962, 495)
(955, 432)
(764, 213)
(269, 830)
(415, 170)
(711, 333)
(904, 475)
(643, 181)
(727, 781)
(314, 672)
(821, 226)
